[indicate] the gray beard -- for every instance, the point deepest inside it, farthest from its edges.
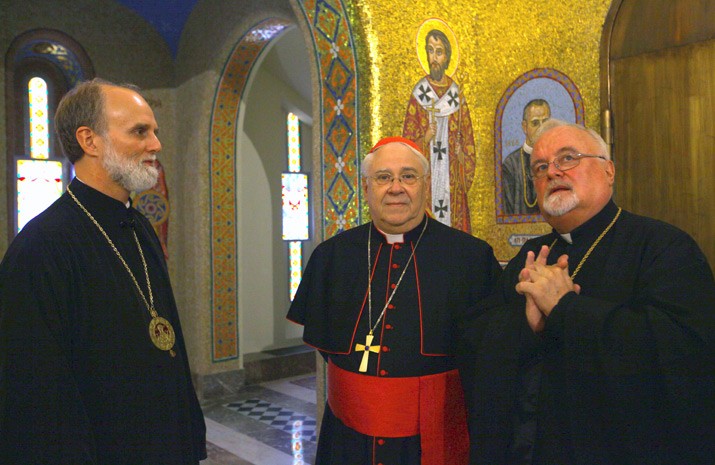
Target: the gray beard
(132, 175)
(560, 204)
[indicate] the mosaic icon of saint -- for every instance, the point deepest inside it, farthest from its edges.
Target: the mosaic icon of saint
(437, 119)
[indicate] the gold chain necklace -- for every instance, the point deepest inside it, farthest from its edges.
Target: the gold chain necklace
(161, 332)
(368, 347)
(523, 178)
(593, 246)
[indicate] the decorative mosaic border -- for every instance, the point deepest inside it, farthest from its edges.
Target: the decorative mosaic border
(337, 91)
(222, 174)
(56, 53)
(575, 95)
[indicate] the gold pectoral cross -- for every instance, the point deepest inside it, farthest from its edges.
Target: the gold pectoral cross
(367, 348)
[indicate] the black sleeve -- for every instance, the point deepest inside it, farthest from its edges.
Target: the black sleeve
(42, 418)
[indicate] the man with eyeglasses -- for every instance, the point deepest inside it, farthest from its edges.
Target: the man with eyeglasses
(607, 336)
(382, 302)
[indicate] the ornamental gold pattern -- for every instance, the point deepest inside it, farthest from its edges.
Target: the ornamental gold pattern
(498, 41)
(222, 148)
(367, 65)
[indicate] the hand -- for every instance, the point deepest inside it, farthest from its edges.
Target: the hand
(543, 285)
(536, 319)
(431, 131)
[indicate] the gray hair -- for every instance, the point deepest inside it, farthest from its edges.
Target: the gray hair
(367, 161)
(555, 123)
(82, 106)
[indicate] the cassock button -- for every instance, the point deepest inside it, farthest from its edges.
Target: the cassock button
(395, 265)
(390, 307)
(393, 285)
(385, 349)
(380, 442)
(383, 372)
(397, 246)
(389, 327)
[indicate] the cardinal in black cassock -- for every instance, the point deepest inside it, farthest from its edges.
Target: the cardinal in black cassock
(382, 303)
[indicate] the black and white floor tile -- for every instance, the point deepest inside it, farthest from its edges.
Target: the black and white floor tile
(299, 426)
(271, 423)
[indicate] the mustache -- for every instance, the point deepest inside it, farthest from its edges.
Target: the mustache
(557, 183)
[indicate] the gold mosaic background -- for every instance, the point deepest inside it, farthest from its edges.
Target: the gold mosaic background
(498, 41)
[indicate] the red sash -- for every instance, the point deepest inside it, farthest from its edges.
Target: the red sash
(431, 406)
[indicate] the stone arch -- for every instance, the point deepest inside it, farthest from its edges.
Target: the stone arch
(335, 145)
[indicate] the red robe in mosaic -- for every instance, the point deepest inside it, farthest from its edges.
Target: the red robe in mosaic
(454, 126)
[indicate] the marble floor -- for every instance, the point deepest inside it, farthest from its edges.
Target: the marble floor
(271, 423)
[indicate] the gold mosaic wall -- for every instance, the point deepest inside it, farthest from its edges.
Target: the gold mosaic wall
(498, 41)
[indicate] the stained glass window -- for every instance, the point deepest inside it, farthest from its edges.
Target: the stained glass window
(39, 183)
(294, 161)
(296, 208)
(295, 256)
(40, 177)
(39, 119)
(45, 64)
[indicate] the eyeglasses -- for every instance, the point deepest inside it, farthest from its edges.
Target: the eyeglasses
(562, 162)
(408, 179)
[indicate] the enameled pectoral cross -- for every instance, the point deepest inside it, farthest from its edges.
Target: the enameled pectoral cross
(367, 348)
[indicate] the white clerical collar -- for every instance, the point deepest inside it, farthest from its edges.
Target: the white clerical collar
(392, 238)
(526, 148)
(567, 238)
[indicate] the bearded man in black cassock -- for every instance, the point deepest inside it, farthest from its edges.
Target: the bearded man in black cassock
(606, 343)
(93, 367)
(382, 303)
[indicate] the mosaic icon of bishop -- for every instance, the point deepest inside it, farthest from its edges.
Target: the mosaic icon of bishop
(437, 119)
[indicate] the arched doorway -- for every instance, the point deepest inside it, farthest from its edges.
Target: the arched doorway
(336, 204)
(279, 85)
(658, 98)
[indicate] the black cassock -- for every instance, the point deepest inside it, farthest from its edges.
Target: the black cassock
(418, 332)
(623, 372)
(80, 380)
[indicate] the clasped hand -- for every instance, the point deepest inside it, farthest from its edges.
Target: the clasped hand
(543, 285)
